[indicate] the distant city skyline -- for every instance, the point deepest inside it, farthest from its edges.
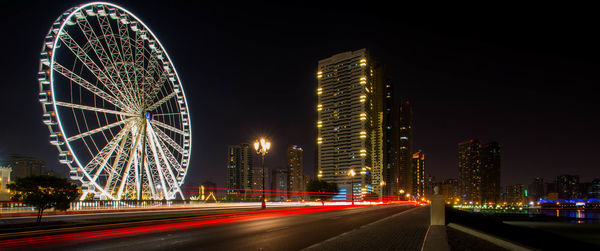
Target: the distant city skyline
(523, 82)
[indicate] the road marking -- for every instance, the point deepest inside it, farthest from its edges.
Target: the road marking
(370, 224)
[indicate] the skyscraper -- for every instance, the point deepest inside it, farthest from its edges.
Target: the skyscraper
(403, 177)
(469, 170)
(490, 173)
(536, 189)
(349, 121)
(279, 184)
(294, 170)
(567, 187)
(418, 175)
(239, 168)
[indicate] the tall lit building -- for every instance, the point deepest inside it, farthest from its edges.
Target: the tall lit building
(469, 171)
(490, 173)
(403, 178)
(24, 166)
(279, 184)
(418, 175)
(567, 187)
(294, 170)
(349, 121)
(390, 140)
(239, 168)
(515, 194)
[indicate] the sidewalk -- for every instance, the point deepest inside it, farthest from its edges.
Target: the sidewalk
(402, 231)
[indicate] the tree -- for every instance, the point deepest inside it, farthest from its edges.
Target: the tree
(321, 190)
(43, 192)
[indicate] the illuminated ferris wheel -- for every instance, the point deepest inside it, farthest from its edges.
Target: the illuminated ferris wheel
(114, 105)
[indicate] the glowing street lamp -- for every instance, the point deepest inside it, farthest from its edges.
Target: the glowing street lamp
(352, 173)
(400, 193)
(262, 148)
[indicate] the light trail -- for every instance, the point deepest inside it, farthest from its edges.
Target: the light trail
(192, 222)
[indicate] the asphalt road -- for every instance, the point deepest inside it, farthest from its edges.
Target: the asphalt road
(291, 231)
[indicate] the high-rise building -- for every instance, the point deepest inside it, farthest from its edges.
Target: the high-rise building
(595, 189)
(450, 190)
(403, 172)
(515, 194)
(257, 181)
(294, 170)
(239, 168)
(24, 166)
(279, 184)
(390, 140)
(490, 173)
(349, 121)
(536, 189)
(567, 187)
(469, 170)
(418, 174)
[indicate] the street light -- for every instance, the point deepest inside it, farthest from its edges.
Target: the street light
(401, 192)
(262, 148)
(352, 173)
(381, 184)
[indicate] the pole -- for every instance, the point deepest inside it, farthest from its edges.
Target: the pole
(264, 204)
(352, 188)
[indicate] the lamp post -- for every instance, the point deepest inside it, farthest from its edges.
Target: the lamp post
(262, 148)
(352, 173)
(401, 192)
(381, 184)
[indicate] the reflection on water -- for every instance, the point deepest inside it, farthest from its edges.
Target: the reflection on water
(579, 214)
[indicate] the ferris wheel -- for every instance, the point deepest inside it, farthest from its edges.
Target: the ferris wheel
(114, 105)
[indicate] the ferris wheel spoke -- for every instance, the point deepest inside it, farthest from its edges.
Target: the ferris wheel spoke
(106, 127)
(93, 109)
(116, 167)
(150, 181)
(87, 61)
(132, 154)
(105, 60)
(168, 172)
(159, 167)
(168, 139)
(156, 86)
(89, 86)
(99, 161)
(167, 127)
(161, 101)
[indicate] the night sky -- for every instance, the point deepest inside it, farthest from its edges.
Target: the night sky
(519, 75)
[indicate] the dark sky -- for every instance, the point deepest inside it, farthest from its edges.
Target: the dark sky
(519, 75)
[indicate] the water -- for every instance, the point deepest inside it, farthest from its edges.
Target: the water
(579, 214)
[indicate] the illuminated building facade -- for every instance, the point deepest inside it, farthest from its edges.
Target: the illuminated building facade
(294, 170)
(490, 173)
(349, 121)
(469, 171)
(418, 175)
(403, 178)
(24, 166)
(567, 187)
(4, 179)
(239, 168)
(279, 184)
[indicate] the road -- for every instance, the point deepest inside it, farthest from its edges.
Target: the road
(285, 229)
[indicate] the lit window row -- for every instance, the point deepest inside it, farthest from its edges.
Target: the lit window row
(363, 98)
(319, 107)
(363, 152)
(363, 62)
(363, 80)
(319, 123)
(363, 116)
(319, 91)
(319, 140)
(319, 74)
(363, 135)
